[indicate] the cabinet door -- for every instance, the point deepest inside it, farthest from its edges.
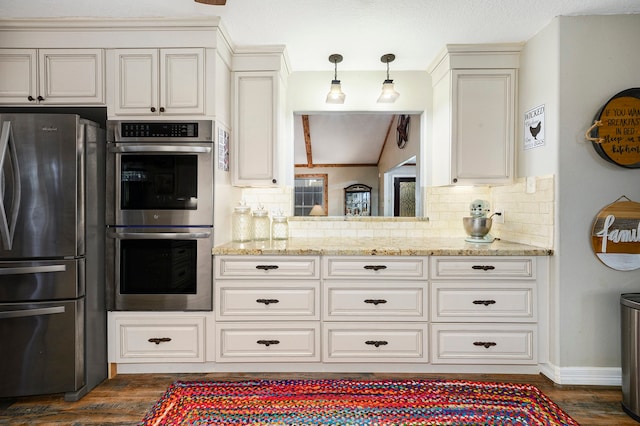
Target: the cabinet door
(136, 82)
(255, 120)
(182, 81)
(483, 125)
(18, 76)
(71, 76)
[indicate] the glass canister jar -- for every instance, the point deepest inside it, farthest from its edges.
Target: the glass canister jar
(261, 224)
(279, 227)
(241, 224)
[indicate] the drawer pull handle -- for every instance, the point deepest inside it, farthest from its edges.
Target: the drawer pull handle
(268, 343)
(158, 340)
(487, 345)
(375, 267)
(267, 301)
(375, 301)
(484, 302)
(266, 267)
(376, 343)
(483, 267)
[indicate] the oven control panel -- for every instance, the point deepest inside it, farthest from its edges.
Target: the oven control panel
(150, 131)
(159, 130)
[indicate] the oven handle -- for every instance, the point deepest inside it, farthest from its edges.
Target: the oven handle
(160, 148)
(157, 235)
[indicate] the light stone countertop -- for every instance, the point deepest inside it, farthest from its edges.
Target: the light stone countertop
(380, 247)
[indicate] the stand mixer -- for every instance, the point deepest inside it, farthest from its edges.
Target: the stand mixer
(478, 224)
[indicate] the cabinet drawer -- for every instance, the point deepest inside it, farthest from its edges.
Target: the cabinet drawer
(375, 301)
(375, 267)
(158, 339)
(267, 342)
(485, 267)
(285, 300)
(483, 344)
(267, 267)
(468, 302)
(375, 342)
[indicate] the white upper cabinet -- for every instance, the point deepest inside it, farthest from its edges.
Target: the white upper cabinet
(51, 76)
(255, 122)
(474, 106)
(159, 81)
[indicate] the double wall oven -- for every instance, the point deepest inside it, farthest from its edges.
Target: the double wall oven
(159, 215)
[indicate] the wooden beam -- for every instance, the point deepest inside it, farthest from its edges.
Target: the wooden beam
(393, 117)
(307, 139)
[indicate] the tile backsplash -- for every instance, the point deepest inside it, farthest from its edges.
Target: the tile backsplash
(529, 217)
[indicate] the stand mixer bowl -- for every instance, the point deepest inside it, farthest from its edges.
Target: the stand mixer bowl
(477, 227)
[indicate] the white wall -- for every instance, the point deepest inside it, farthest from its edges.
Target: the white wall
(573, 67)
(598, 58)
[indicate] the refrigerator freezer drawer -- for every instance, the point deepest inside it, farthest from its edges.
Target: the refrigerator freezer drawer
(42, 348)
(22, 281)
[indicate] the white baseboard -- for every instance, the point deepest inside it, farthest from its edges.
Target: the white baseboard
(594, 376)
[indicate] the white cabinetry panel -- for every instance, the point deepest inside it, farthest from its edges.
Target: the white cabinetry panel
(268, 342)
(483, 344)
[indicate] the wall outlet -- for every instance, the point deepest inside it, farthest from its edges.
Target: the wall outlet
(498, 216)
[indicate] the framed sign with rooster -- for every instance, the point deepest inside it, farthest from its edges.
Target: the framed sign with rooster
(534, 127)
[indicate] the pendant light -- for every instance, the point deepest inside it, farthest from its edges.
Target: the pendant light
(335, 95)
(388, 95)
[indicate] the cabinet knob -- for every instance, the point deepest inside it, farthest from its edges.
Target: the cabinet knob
(31, 98)
(40, 98)
(375, 267)
(161, 109)
(376, 343)
(153, 109)
(487, 345)
(158, 340)
(274, 181)
(455, 180)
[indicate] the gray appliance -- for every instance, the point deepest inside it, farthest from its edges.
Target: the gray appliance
(52, 302)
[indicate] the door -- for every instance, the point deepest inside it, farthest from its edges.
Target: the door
(41, 211)
(42, 348)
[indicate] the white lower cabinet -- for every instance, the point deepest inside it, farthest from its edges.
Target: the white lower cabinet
(375, 309)
(483, 344)
(268, 342)
(375, 342)
(267, 308)
(158, 337)
(484, 310)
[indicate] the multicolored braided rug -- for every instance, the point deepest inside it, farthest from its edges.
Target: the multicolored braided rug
(354, 402)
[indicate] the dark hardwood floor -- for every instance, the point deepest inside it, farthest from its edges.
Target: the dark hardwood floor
(126, 398)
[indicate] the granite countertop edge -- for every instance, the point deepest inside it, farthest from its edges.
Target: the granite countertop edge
(380, 247)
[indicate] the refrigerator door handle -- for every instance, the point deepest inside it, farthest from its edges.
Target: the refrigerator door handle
(32, 269)
(32, 312)
(9, 219)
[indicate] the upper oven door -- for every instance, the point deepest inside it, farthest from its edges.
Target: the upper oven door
(155, 184)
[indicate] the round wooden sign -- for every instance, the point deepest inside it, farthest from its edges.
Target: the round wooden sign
(615, 236)
(615, 134)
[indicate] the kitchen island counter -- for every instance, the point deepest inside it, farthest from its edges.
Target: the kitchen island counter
(380, 247)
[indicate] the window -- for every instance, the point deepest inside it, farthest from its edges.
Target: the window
(310, 191)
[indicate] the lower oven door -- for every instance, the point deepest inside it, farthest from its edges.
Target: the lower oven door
(166, 269)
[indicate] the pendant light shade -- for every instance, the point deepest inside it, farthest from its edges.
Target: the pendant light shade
(335, 95)
(389, 94)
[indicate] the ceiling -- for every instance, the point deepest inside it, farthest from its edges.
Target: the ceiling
(340, 138)
(361, 30)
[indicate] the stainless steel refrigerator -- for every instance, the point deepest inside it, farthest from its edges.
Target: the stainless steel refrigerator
(52, 308)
